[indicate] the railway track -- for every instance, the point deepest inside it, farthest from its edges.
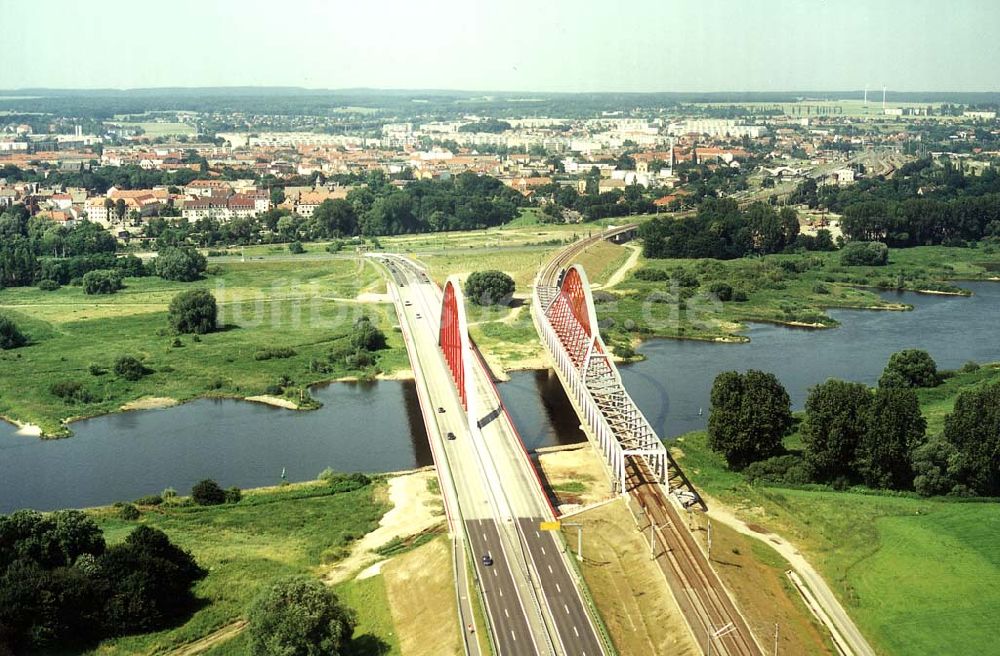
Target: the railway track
(703, 599)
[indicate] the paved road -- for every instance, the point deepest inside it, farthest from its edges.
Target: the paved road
(532, 597)
(514, 628)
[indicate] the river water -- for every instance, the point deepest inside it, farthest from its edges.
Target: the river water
(675, 380)
(377, 427)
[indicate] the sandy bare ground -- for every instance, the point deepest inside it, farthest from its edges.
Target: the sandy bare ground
(414, 510)
(628, 587)
(276, 401)
(624, 269)
(202, 645)
(149, 403)
(26, 429)
(421, 593)
(575, 475)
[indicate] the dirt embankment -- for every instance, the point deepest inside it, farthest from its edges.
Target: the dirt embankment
(415, 509)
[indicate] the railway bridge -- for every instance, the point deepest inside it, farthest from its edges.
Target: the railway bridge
(639, 466)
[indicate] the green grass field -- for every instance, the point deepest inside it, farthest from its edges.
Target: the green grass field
(919, 576)
(271, 533)
(262, 304)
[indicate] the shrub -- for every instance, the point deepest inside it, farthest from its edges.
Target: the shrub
(208, 493)
(193, 311)
(652, 275)
(865, 253)
(129, 512)
(130, 368)
(723, 291)
(71, 391)
(970, 367)
(96, 369)
(740, 296)
(820, 288)
(48, 285)
(181, 264)
(786, 469)
(624, 351)
(277, 353)
(296, 248)
(10, 335)
(102, 281)
(149, 500)
(168, 494)
(489, 288)
(340, 482)
(233, 494)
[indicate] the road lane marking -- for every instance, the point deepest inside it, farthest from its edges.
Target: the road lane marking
(506, 613)
(495, 573)
(500, 590)
(558, 588)
(576, 632)
(567, 608)
(550, 569)
(512, 635)
(543, 551)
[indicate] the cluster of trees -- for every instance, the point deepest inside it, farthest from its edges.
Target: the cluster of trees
(852, 434)
(63, 587)
(924, 203)
(491, 287)
(721, 230)
(591, 204)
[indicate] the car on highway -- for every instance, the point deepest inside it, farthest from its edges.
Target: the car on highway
(487, 560)
(440, 410)
(418, 315)
(450, 435)
(407, 304)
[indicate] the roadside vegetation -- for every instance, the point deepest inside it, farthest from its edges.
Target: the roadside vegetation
(873, 546)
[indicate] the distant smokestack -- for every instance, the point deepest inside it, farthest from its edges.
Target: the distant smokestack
(883, 98)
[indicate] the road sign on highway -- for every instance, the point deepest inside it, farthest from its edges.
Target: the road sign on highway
(549, 526)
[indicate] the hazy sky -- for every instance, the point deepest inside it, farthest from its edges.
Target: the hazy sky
(530, 45)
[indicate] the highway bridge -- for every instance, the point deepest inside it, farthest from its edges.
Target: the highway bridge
(522, 576)
(638, 464)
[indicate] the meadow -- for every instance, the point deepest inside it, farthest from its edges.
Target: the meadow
(789, 289)
(306, 307)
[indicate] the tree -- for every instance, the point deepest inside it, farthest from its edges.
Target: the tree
(750, 415)
(130, 368)
(102, 281)
(367, 337)
(10, 335)
(277, 196)
(932, 467)
(299, 616)
(973, 429)
(208, 493)
(910, 368)
(193, 311)
(894, 428)
(181, 264)
(489, 288)
(836, 415)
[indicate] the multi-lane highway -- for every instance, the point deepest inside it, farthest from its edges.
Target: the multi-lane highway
(492, 494)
